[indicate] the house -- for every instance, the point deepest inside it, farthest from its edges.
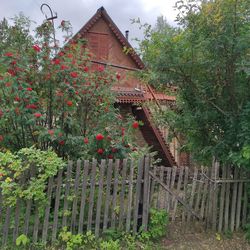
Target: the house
(109, 46)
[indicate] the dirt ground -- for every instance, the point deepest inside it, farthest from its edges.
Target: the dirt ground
(196, 238)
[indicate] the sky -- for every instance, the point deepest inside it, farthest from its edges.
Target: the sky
(78, 12)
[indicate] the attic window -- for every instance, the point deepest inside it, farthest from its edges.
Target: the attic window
(98, 45)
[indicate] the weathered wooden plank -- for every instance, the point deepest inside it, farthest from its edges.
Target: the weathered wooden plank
(47, 211)
(239, 204)
(226, 210)
(66, 194)
(168, 197)
(245, 204)
(185, 191)
(114, 205)
(209, 204)
(186, 205)
(36, 225)
(92, 193)
(199, 193)
(192, 193)
(108, 187)
(130, 196)
(16, 220)
(121, 212)
(204, 196)
(83, 196)
(137, 194)
(178, 191)
(234, 200)
(160, 202)
(75, 199)
(145, 211)
(99, 199)
(27, 217)
(6, 226)
(222, 199)
(28, 206)
(172, 201)
(215, 196)
(57, 203)
(152, 188)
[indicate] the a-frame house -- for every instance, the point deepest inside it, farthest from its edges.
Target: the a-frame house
(109, 46)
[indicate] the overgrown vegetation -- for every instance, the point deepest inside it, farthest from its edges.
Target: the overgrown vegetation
(24, 175)
(207, 58)
(51, 97)
(110, 240)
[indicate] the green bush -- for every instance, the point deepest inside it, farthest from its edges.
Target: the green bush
(25, 174)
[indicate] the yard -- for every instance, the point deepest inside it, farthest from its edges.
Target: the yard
(198, 239)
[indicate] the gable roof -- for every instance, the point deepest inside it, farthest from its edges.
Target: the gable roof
(102, 13)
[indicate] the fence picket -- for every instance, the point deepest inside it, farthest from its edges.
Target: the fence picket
(152, 187)
(28, 207)
(75, 199)
(204, 195)
(57, 202)
(178, 191)
(222, 198)
(145, 195)
(114, 203)
(137, 194)
(199, 193)
(16, 220)
(215, 195)
(108, 187)
(168, 197)
(121, 212)
(92, 193)
(245, 204)
(239, 202)
(6, 226)
(99, 199)
(234, 200)
(174, 169)
(226, 210)
(36, 225)
(185, 191)
(83, 196)
(130, 196)
(47, 211)
(67, 191)
(192, 193)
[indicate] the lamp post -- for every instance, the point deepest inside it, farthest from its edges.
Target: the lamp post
(51, 18)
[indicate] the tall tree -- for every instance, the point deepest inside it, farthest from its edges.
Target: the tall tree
(56, 100)
(208, 58)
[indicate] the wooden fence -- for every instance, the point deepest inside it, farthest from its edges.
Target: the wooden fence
(217, 195)
(88, 195)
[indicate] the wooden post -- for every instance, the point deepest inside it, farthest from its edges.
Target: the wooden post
(83, 196)
(137, 194)
(215, 195)
(130, 196)
(234, 200)
(92, 193)
(57, 203)
(107, 202)
(222, 199)
(145, 211)
(122, 193)
(99, 199)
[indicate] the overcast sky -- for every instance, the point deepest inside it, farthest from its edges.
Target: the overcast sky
(78, 12)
